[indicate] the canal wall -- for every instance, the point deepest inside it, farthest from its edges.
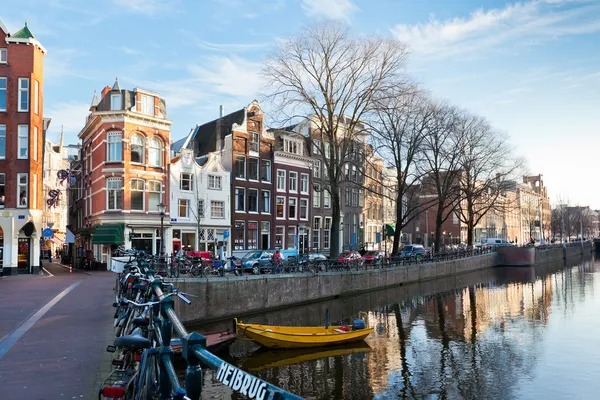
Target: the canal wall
(563, 253)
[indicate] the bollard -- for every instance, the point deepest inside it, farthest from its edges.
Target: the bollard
(70, 269)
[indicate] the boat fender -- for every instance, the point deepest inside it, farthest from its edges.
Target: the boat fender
(358, 324)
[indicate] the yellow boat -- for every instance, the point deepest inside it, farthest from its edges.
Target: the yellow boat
(294, 337)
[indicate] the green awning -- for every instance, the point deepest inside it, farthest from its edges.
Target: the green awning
(109, 234)
(390, 229)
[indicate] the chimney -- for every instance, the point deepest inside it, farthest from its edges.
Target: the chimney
(221, 111)
(106, 90)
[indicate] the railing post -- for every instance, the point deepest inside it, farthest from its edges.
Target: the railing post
(193, 373)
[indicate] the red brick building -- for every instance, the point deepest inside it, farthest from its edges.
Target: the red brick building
(21, 149)
(125, 156)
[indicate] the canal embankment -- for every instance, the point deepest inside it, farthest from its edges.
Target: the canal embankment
(222, 298)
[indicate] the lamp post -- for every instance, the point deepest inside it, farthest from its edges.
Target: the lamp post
(162, 208)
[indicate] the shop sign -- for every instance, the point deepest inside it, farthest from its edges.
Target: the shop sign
(21, 217)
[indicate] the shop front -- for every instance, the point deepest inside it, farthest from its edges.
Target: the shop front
(104, 240)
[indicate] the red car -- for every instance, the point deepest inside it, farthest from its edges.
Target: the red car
(373, 256)
(350, 257)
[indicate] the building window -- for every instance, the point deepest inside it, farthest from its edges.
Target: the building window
(327, 233)
(186, 183)
(214, 182)
(281, 180)
(3, 56)
(317, 196)
(147, 104)
(23, 94)
(137, 194)
(253, 169)
(2, 94)
(22, 190)
(239, 237)
(304, 209)
(361, 198)
(114, 189)
(316, 233)
(23, 142)
(293, 182)
(200, 209)
(265, 171)
(217, 209)
(326, 198)
(293, 147)
(254, 141)
(291, 237)
(2, 189)
(252, 200)
(154, 152)
(292, 208)
(317, 169)
(184, 208)
(36, 103)
(35, 143)
(354, 198)
(137, 149)
(115, 102)
(240, 167)
(279, 236)
(115, 147)
(252, 235)
(240, 197)
(347, 196)
(280, 207)
(154, 195)
(2, 141)
(304, 183)
(265, 202)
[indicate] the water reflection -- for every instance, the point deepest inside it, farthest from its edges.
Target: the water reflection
(499, 333)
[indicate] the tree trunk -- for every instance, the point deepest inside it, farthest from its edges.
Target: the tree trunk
(470, 235)
(335, 232)
(397, 231)
(438, 227)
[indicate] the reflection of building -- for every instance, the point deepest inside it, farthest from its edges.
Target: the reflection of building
(199, 199)
(22, 129)
(125, 154)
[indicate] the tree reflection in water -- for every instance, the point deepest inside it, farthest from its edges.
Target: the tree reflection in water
(473, 341)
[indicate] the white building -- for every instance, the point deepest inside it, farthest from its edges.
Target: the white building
(55, 216)
(200, 203)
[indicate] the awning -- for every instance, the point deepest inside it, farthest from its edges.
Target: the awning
(56, 240)
(390, 229)
(109, 234)
(70, 237)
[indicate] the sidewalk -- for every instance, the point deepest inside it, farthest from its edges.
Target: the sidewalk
(62, 354)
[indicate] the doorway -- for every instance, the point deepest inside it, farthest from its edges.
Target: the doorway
(23, 254)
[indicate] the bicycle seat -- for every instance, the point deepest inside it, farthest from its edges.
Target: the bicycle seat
(135, 341)
(140, 321)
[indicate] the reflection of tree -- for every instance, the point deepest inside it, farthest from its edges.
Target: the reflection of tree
(407, 387)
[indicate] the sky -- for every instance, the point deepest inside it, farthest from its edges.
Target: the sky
(532, 68)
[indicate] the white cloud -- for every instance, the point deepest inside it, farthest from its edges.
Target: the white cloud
(70, 116)
(331, 9)
(146, 7)
(528, 22)
(229, 47)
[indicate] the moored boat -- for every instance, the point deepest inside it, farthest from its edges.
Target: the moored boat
(293, 337)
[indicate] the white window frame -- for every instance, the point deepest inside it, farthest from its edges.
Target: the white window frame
(180, 202)
(304, 183)
(307, 209)
(145, 104)
(317, 196)
(294, 235)
(268, 165)
(235, 171)
(316, 232)
(257, 200)
(237, 205)
(215, 182)
(36, 100)
(3, 138)
(296, 206)
(4, 56)
(114, 146)
(190, 179)
(4, 92)
(266, 210)
(317, 169)
(3, 185)
(282, 235)
(155, 150)
(141, 145)
(132, 190)
(284, 207)
(284, 176)
(23, 92)
(217, 205)
(115, 194)
(19, 187)
(326, 198)
(293, 180)
(151, 186)
(201, 208)
(251, 179)
(327, 233)
(113, 102)
(23, 135)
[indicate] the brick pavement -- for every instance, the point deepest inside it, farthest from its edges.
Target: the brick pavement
(62, 356)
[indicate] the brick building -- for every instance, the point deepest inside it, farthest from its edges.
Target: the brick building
(21, 149)
(125, 156)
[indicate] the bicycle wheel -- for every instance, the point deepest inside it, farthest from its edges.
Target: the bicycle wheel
(147, 379)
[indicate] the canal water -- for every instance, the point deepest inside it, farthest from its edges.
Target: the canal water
(502, 333)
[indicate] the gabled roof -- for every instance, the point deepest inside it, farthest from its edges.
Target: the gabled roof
(210, 128)
(3, 28)
(116, 86)
(24, 33)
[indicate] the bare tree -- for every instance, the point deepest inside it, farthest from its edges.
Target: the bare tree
(442, 148)
(330, 79)
(486, 164)
(401, 122)
(529, 215)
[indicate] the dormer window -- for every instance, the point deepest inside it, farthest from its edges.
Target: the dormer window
(147, 104)
(115, 102)
(292, 146)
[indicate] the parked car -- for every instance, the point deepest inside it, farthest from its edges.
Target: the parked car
(350, 257)
(317, 259)
(259, 261)
(497, 242)
(373, 256)
(413, 250)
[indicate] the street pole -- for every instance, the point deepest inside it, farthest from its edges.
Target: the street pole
(581, 224)
(541, 223)
(162, 207)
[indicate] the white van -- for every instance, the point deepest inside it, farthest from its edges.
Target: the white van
(496, 242)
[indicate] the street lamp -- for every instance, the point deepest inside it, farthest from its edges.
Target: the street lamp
(162, 208)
